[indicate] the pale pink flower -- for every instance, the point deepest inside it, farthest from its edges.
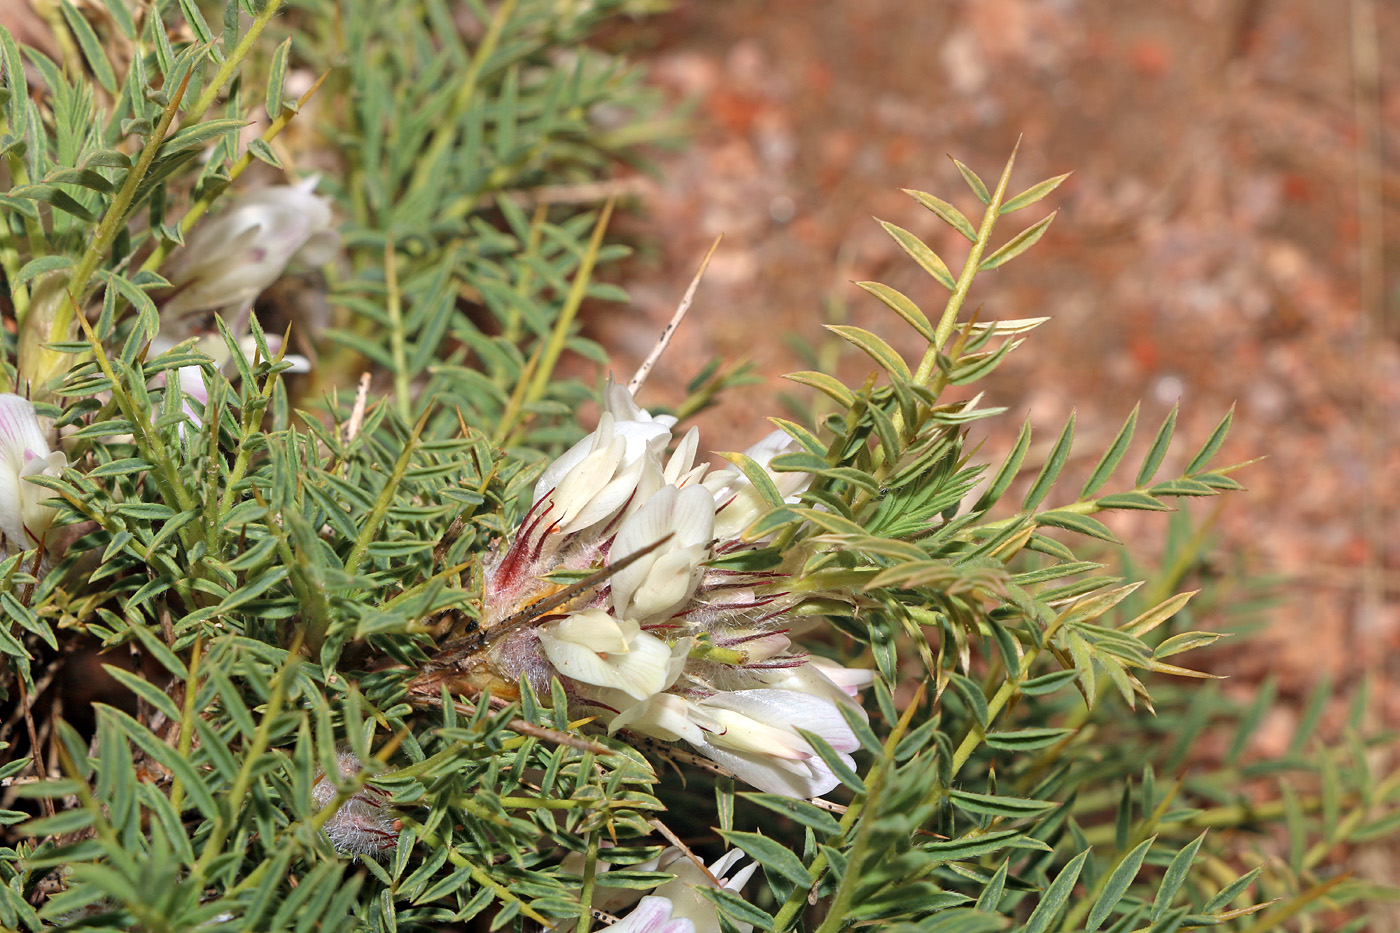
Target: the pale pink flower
(653, 915)
(24, 452)
(232, 258)
(677, 900)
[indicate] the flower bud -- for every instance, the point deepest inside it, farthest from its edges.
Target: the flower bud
(40, 366)
(363, 824)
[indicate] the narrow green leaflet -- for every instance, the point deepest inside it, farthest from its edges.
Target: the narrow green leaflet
(1032, 194)
(976, 184)
(1056, 896)
(1175, 876)
(993, 805)
(946, 213)
(1050, 472)
(1212, 445)
(1117, 885)
(875, 347)
(775, 858)
(902, 306)
(1111, 457)
(927, 259)
(1018, 244)
(1158, 450)
(91, 46)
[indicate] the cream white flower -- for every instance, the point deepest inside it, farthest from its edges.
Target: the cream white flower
(760, 744)
(660, 581)
(754, 734)
(677, 900)
(24, 452)
(737, 502)
(683, 891)
(596, 477)
(594, 648)
(623, 404)
(231, 259)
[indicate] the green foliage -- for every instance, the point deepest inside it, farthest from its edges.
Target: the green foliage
(276, 577)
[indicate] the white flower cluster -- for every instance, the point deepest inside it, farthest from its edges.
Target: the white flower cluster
(669, 648)
(232, 259)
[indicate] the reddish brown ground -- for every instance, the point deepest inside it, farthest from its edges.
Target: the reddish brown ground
(1208, 247)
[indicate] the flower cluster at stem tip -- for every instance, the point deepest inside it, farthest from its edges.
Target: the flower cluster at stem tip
(670, 648)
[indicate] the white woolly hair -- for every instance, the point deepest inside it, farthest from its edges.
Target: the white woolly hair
(363, 824)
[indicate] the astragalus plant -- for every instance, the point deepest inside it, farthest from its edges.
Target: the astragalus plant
(403, 652)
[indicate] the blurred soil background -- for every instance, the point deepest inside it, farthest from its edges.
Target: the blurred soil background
(1228, 238)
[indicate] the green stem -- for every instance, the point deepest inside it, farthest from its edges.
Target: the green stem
(446, 130)
(201, 206)
(1008, 689)
(394, 304)
(787, 914)
(1082, 507)
(554, 348)
(115, 218)
(386, 499)
(250, 421)
(511, 331)
(232, 61)
(148, 441)
(238, 792)
(512, 413)
(928, 366)
(9, 252)
(1274, 918)
(969, 271)
(186, 737)
(590, 879)
(113, 221)
(315, 606)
